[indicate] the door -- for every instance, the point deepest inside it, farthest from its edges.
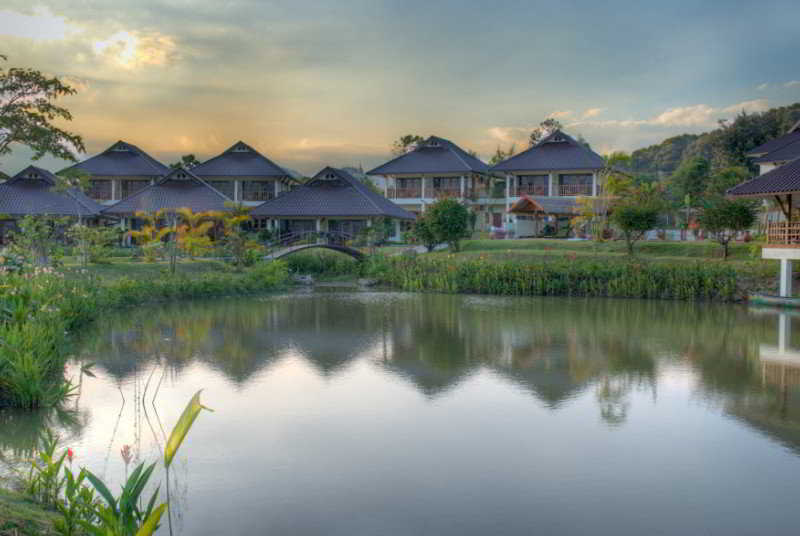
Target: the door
(497, 219)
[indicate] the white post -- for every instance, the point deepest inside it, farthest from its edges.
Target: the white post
(786, 278)
(114, 190)
(551, 184)
(397, 235)
(594, 184)
(422, 192)
(784, 332)
(236, 191)
(508, 191)
(462, 187)
(277, 188)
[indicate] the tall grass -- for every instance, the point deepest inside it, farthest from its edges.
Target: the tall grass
(562, 277)
(39, 310)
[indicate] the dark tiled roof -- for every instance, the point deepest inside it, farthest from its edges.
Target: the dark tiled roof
(781, 180)
(122, 160)
(179, 189)
(31, 191)
(342, 196)
(554, 152)
(240, 160)
(549, 205)
(788, 151)
(434, 155)
(775, 143)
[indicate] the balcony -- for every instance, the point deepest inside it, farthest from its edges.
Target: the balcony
(441, 193)
(783, 233)
(404, 193)
(568, 190)
(532, 189)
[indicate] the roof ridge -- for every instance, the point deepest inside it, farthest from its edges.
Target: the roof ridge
(452, 147)
(357, 185)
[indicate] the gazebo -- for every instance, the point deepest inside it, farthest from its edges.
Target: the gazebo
(530, 212)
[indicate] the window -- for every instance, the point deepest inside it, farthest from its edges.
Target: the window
(258, 190)
(533, 185)
(100, 189)
(575, 184)
(128, 187)
(447, 183)
(224, 187)
(120, 148)
(241, 148)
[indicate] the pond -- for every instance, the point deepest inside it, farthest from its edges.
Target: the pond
(342, 412)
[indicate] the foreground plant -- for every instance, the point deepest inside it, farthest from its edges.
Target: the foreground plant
(54, 485)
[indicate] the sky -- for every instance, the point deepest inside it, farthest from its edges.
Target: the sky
(334, 83)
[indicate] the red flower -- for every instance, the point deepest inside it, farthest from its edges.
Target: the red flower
(70, 455)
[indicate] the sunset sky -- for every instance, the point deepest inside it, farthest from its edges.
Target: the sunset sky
(315, 83)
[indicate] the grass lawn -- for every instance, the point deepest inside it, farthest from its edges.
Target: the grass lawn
(124, 267)
(19, 516)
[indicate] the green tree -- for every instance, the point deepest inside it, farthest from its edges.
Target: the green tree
(724, 179)
(38, 238)
(404, 143)
(449, 220)
(724, 218)
(187, 161)
(29, 114)
(423, 232)
(545, 128)
(691, 178)
(634, 220)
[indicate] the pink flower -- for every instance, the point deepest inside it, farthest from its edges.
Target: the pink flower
(70, 455)
(126, 454)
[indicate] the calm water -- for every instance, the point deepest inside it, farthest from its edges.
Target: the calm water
(360, 413)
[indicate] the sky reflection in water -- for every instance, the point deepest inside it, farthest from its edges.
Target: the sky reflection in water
(387, 413)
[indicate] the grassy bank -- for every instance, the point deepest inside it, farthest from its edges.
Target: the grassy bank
(39, 310)
(21, 516)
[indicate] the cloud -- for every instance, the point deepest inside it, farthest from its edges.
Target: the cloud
(593, 112)
(560, 114)
(762, 87)
(751, 106)
(131, 50)
(40, 25)
(792, 83)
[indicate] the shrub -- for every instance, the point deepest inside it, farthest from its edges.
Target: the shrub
(449, 221)
(724, 218)
(634, 221)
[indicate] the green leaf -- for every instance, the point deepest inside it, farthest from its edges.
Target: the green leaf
(182, 427)
(151, 523)
(102, 490)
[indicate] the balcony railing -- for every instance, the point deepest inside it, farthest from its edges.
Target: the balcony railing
(574, 189)
(440, 193)
(404, 193)
(262, 195)
(783, 233)
(532, 189)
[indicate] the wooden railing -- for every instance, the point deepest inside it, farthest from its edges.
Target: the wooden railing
(574, 189)
(439, 193)
(404, 193)
(783, 233)
(532, 189)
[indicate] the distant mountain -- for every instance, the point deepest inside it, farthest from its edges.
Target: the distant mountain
(724, 146)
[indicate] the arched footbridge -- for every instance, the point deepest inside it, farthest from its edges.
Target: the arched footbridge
(333, 240)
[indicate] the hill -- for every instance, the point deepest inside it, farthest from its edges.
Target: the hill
(722, 147)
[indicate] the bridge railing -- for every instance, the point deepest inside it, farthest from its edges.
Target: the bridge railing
(328, 238)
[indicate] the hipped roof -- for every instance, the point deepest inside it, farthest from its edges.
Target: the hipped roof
(556, 151)
(544, 204)
(240, 160)
(122, 159)
(179, 189)
(32, 191)
(331, 193)
(781, 180)
(434, 155)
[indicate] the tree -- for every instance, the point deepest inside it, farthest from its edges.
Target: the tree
(150, 236)
(545, 128)
(38, 238)
(405, 143)
(187, 161)
(691, 178)
(634, 220)
(724, 179)
(235, 240)
(93, 243)
(500, 155)
(612, 183)
(29, 114)
(194, 231)
(449, 221)
(423, 232)
(724, 218)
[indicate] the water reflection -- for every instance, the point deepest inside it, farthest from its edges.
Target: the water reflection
(395, 404)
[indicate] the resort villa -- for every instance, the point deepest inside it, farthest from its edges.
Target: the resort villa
(517, 197)
(779, 163)
(334, 202)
